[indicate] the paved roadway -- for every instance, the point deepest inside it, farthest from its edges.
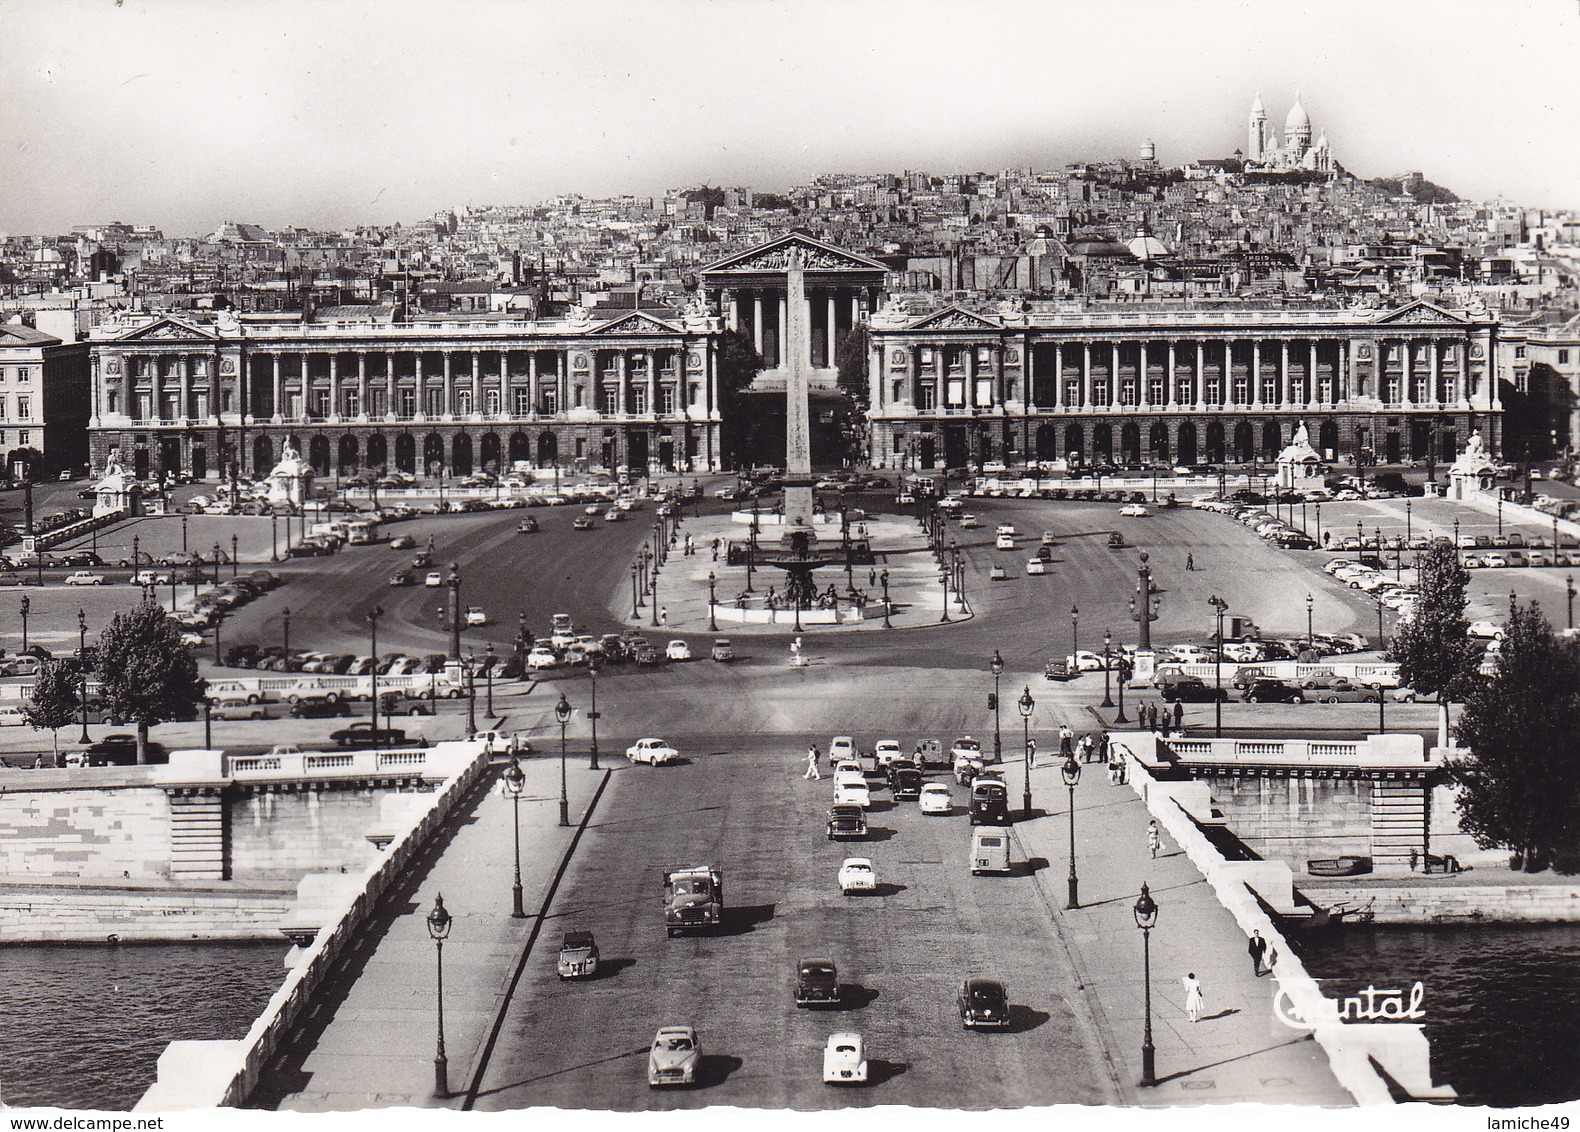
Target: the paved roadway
(901, 954)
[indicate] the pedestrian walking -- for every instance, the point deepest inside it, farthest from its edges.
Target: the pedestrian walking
(1066, 739)
(663, 615)
(1179, 716)
(872, 577)
(1190, 562)
(1154, 838)
(1104, 745)
(1194, 999)
(811, 764)
(1257, 946)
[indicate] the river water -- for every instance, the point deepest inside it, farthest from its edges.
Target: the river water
(1502, 1003)
(83, 1027)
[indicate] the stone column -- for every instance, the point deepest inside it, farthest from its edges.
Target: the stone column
(732, 308)
(652, 388)
(1143, 389)
(1285, 376)
(279, 388)
(477, 383)
(1201, 377)
(1171, 389)
(185, 376)
(913, 376)
(784, 323)
(1407, 372)
(1255, 375)
(833, 323)
(391, 385)
(334, 384)
(855, 309)
(757, 322)
(421, 409)
(362, 384)
(1086, 375)
(1311, 374)
(447, 406)
(1058, 375)
(534, 397)
(1437, 389)
(623, 377)
(877, 377)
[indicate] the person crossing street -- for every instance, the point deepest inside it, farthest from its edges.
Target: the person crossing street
(811, 764)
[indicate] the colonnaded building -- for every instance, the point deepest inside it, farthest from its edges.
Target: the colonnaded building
(358, 388)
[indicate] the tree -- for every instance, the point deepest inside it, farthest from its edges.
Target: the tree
(146, 674)
(850, 356)
(56, 699)
(739, 362)
(1520, 784)
(1433, 647)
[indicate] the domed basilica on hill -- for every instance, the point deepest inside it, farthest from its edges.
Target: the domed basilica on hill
(1297, 152)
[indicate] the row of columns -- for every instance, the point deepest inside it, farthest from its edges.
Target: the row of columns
(1094, 379)
(823, 305)
(607, 369)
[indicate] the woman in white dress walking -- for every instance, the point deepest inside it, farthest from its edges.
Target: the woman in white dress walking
(1193, 997)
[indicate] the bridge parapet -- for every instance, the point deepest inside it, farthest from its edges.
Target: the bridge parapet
(1375, 754)
(188, 767)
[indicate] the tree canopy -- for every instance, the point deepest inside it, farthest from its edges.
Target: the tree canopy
(1520, 783)
(56, 698)
(739, 363)
(146, 675)
(1432, 646)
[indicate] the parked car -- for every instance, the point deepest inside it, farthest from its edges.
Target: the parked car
(364, 734)
(677, 651)
(1134, 511)
(654, 752)
(1335, 690)
(857, 875)
(983, 1004)
(121, 750)
(1190, 690)
(320, 709)
(674, 1057)
(1265, 691)
(237, 709)
(84, 578)
(722, 650)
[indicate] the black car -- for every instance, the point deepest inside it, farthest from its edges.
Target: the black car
(846, 823)
(983, 1003)
(816, 983)
(82, 558)
(894, 768)
(1191, 691)
(396, 703)
(1273, 692)
(403, 578)
(363, 734)
(527, 526)
(121, 750)
(320, 709)
(906, 782)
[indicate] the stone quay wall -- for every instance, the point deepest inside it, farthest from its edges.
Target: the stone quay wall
(41, 912)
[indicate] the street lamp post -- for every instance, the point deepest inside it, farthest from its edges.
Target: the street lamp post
(1026, 703)
(884, 578)
(996, 666)
(82, 670)
(654, 584)
(1310, 636)
(1456, 534)
(285, 631)
(1108, 663)
(562, 712)
(1569, 592)
(1144, 606)
(274, 537)
(1219, 607)
(1125, 670)
(713, 620)
(183, 534)
(1146, 913)
(439, 922)
(1075, 625)
(27, 604)
(1318, 507)
(635, 597)
(373, 628)
(515, 781)
(471, 692)
(453, 586)
(1071, 773)
(488, 677)
(943, 580)
(593, 665)
(234, 563)
(1407, 529)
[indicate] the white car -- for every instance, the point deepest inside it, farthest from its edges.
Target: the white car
(654, 752)
(904, 498)
(845, 776)
(84, 578)
(850, 793)
(434, 578)
(851, 765)
(674, 1057)
(1006, 529)
(840, 748)
(1036, 566)
(969, 521)
(886, 751)
(476, 616)
(678, 650)
(935, 799)
(1005, 542)
(844, 1060)
(1486, 629)
(1134, 511)
(856, 875)
(542, 658)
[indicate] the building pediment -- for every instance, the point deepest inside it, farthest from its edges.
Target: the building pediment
(774, 256)
(955, 318)
(635, 323)
(1418, 311)
(168, 329)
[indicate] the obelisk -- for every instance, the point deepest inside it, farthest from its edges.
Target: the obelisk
(798, 366)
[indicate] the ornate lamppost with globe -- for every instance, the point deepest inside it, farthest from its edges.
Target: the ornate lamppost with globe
(439, 921)
(1146, 914)
(515, 782)
(1070, 771)
(1026, 704)
(996, 666)
(1108, 664)
(889, 624)
(593, 666)
(562, 712)
(1220, 607)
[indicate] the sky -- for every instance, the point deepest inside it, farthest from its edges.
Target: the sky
(332, 113)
